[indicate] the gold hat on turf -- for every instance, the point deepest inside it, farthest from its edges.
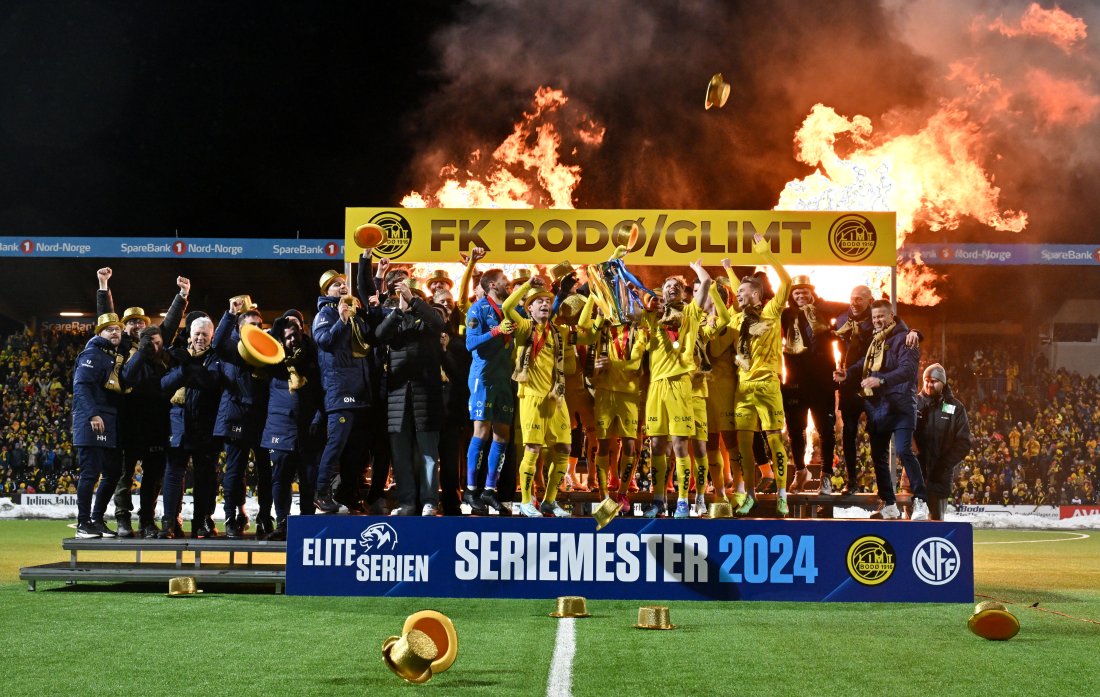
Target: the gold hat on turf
(441, 631)
(106, 320)
(718, 91)
(182, 586)
(654, 617)
(410, 656)
(328, 277)
(606, 512)
(571, 606)
(135, 313)
(992, 621)
(720, 509)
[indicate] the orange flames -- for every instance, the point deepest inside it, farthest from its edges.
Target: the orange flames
(525, 171)
(1055, 25)
(930, 177)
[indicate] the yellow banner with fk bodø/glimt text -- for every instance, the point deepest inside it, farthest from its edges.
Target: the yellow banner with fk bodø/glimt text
(666, 237)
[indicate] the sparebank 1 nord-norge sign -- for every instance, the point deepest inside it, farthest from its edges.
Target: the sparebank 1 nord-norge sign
(667, 237)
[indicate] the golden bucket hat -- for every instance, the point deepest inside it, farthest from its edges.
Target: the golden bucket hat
(720, 509)
(246, 303)
(718, 91)
(535, 294)
(606, 512)
(624, 236)
(440, 275)
(523, 275)
(801, 282)
(441, 631)
(258, 348)
(182, 586)
(571, 606)
(654, 617)
(560, 271)
(105, 320)
(992, 621)
(328, 277)
(370, 235)
(135, 313)
(410, 656)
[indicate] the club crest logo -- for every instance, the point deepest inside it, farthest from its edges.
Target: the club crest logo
(380, 537)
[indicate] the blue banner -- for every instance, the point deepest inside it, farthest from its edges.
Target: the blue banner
(172, 248)
(790, 560)
(1002, 254)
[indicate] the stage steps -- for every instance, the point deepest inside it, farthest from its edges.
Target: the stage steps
(241, 566)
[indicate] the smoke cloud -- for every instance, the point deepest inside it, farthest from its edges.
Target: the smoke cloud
(1022, 74)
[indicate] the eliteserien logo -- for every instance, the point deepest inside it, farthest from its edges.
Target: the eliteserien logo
(380, 537)
(936, 561)
(852, 237)
(871, 560)
(398, 234)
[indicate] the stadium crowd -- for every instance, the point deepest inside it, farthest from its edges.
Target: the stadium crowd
(418, 386)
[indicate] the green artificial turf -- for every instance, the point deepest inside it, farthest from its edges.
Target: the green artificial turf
(111, 638)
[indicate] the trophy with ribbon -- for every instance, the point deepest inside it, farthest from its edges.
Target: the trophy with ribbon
(615, 287)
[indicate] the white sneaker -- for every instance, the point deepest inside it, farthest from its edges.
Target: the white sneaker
(552, 508)
(529, 510)
(920, 510)
(826, 484)
(699, 508)
(429, 510)
(891, 512)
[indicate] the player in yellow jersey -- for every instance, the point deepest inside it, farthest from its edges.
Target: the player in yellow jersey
(669, 408)
(616, 380)
(758, 400)
(721, 427)
(541, 365)
(716, 322)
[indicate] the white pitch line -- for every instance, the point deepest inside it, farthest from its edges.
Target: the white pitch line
(1080, 536)
(560, 682)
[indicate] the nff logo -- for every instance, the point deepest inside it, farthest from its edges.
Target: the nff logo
(936, 561)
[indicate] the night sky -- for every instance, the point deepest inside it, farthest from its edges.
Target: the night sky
(250, 119)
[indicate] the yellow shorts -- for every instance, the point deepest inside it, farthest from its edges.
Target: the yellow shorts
(580, 403)
(616, 414)
(669, 410)
(699, 413)
(759, 406)
(543, 421)
(720, 409)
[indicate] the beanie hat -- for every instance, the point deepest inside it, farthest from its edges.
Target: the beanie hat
(936, 372)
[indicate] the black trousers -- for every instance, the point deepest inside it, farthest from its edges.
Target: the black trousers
(102, 465)
(204, 462)
(797, 404)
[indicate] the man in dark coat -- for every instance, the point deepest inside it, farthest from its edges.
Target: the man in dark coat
(942, 435)
(807, 384)
(143, 420)
(887, 379)
(415, 398)
(241, 416)
(343, 334)
(194, 386)
(97, 395)
(294, 420)
(854, 329)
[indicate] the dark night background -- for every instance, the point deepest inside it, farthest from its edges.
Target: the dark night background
(253, 119)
